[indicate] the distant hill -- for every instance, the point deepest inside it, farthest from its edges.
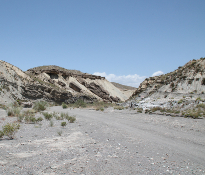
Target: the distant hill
(123, 87)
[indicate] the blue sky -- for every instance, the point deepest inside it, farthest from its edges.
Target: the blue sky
(124, 40)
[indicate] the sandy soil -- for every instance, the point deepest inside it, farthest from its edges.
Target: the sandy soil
(109, 142)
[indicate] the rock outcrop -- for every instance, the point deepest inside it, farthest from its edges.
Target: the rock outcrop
(187, 80)
(53, 83)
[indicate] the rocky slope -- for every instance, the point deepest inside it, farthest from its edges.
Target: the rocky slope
(53, 83)
(178, 93)
(186, 81)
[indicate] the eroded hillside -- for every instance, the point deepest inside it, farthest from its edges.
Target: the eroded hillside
(53, 83)
(187, 80)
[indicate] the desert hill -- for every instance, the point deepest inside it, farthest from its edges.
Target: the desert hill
(123, 87)
(53, 83)
(187, 80)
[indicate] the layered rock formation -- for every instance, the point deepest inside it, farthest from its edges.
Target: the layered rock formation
(53, 83)
(188, 80)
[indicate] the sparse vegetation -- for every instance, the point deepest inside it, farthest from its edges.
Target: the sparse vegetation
(192, 113)
(64, 106)
(119, 107)
(47, 115)
(80, 103)
(20, 118)
(63, 124)
(14, 109)
(39, 119)
(40, 106)
(60, 132)
(99, 108)
(10, 129)
(71, 119)
(1, 134)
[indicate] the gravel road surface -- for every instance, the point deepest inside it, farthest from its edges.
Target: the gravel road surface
(108, 142)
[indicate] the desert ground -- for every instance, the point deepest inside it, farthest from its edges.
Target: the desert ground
(105, 142)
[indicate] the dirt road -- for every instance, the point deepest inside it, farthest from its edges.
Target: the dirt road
(109, 142)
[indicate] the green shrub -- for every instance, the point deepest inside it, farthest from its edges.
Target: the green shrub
(64, 106)
(39, 119)
(30, 119)
(102, 109)
(71, 119)
(63, 124)
(10, 129)
(47, 115)
(1, 134)
(40, 106)
(80, 103)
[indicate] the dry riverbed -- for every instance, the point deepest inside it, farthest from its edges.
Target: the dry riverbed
(108, 142)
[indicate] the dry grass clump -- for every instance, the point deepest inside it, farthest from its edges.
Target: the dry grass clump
(80, 103)
(164, 110)
(32, 119)
(9, 130)
(13, 110)
(98, 105)
(119, 107)
(156, 109)
(70, 119)
(47, 115)
(64, 106)
(192, 113)
(40, 106)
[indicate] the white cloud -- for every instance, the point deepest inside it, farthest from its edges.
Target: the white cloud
(157, 73)
(129, 80)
